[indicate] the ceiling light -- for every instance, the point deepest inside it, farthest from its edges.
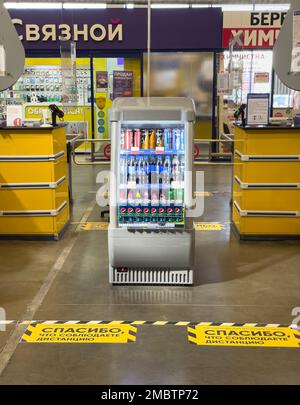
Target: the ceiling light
(201, 5)
(32, 5)
(84, 5)
(170, 6)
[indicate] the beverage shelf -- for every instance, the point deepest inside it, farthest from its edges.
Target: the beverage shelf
(146, 152)
(153, 186)
(149, 226)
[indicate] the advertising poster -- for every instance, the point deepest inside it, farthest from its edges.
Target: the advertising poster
(14, 115)
(101, 81)
(122, 83)
(258, 109)
(261, 77)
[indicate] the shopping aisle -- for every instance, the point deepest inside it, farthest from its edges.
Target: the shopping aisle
(234, 283)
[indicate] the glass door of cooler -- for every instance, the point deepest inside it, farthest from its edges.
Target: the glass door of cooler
(151, 176)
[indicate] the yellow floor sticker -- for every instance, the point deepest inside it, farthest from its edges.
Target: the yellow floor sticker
(79, 333)
(202, 194)
(94, 226)
(208, 226)
(259, 336)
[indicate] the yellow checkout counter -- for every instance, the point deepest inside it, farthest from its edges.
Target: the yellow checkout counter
(266, 182)
(34, 197)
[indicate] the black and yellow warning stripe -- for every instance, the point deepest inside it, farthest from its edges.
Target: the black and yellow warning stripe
(140, 323)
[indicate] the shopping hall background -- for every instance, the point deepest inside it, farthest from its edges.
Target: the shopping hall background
(188, 53)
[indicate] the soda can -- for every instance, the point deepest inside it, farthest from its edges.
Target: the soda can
(123, 139)
(128, 138)
(137, 138)
(159, 138)
(182, 139)
(176, 139)
(168, 139)
(145, 138)
(152, 139)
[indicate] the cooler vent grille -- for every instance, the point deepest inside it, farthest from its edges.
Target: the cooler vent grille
(153, 275)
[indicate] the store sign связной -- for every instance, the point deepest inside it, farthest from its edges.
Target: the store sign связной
(116, 29)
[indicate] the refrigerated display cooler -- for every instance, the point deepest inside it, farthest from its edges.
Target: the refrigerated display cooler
(150, 236)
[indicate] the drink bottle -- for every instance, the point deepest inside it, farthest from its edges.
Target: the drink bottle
(123, 170)
(154, 206)
(138, 191)
(154, 170)
(131, 187)
(162, 210)
(123, 190)
(159, 166)
(175, 168)
(166, 176)
(181, 168)
(123, 206)
(152, 141)
(178, 205)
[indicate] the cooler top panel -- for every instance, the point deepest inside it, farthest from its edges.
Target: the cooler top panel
(153, 109)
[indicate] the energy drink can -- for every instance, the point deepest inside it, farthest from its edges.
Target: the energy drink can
(168, 139)
(182, 139)
(123, 139)
(137, 138)
(159, 138)
(128, 139)
(144, 139)
(176, 139)
(152, 140)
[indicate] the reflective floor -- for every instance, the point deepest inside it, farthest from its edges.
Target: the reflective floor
(68, 280)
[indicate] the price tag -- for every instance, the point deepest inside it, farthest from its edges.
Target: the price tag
(135, 149)
(160, 149)
(131, 184)
(176, 184)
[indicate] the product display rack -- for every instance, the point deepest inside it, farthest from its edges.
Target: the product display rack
(43, 84)
(150, 237)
